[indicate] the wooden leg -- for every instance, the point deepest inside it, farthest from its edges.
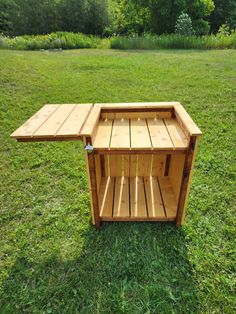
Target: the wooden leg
(94, 192)
(186, 180)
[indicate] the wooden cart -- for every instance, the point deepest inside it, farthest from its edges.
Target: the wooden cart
(139, 156)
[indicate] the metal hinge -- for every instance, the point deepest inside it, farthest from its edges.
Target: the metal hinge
(89, 148)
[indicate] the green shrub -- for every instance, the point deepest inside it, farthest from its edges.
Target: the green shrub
(184, 25)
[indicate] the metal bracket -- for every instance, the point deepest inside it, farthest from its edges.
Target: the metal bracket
(89, 148)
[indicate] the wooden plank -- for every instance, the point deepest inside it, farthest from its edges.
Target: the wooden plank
(159, 135)
(91, 123)
(153, 196)
(137, 105)
(98, 170)
(177, 136)
(158, 165)
(144, 165)
(120, 134)
(168, 197)
(186, 179)
(137, 115)
(50, 127)
(102, 136)
(121, 200)
(133, 165)
(188, 122)
(176, 173)
(137, 198)
(140, 138)
(75, 121)
(115, 165)
(125, 165)
(106, 196)
(32, 124)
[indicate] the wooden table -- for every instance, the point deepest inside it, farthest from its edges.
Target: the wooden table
(139, 155)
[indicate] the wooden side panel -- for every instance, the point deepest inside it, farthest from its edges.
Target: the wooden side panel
(120, 134)
(137, 198)
(121, 200)
(158, 165)
(140, 138)
(144, 165)
(168, 198)
(106, 194)
(126, 165)
(102, 136)
(32, 124)
(136, 115)
(89, 187)
(176, 173)
(153, 196)
(115, 165)
(55, 121)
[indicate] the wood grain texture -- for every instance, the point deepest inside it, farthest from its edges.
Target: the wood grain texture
(168, 198)
(106, 196)
(121, 200)
(137, 198)
(139, 133)
(177, 136)
(159, 135)
(153, 196)
(120, 134)
(102, 135)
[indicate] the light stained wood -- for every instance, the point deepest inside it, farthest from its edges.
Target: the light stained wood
(140, 138)
(91, 123)
(137, 198)
(158, 165)
(102, 136)
(144, 165)
(177, 136)
(98, 170)
(153, 196)
(115, 165)
(73, 124)
(190, 125)
(137, 105)
(120, 134)
(133, 165)
(176, 173)
(89, 186)
(106, 196)
(168, 197)
(121, 200)
(125, 165)
(54, 122)
(159, 135)
(136, 115)
(27, 129)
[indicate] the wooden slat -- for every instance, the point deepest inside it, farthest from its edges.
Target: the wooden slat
(106, 196)
(176, 134)
(137, 105)
(190, 125)
(54, 122)
(75, 121)
(168, 197)
(91, 122)
(153, 196)
(176, 173)
(120, 134)
(158, 165)
(137, 198)
(159, 135)
(121, 200)
(136, 115)
(115, 165)
(144, 165)
(102, 136)
(31, 125)
(140, 138)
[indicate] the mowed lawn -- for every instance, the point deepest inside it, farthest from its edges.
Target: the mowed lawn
(52, 258)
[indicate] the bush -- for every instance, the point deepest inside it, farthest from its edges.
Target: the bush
(183, 25)
(201, 27)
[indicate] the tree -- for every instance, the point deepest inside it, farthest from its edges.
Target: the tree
(224, 13)
(184, 25)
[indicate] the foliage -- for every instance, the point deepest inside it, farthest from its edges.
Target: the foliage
(224, 13)
(184, 25)
(201, 27)
(174, 42)
(52, 259)
(64, 40)
(224, 30)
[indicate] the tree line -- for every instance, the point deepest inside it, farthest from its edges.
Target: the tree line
(109, 17)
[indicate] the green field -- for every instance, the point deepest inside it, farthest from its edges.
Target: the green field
(52, 258)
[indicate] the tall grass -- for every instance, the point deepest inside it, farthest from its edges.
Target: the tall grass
(63, 40)
(174, 42)
(66, 40)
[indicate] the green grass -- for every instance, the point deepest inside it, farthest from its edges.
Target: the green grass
(52, 258)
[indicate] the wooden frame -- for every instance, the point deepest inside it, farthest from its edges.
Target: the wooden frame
(139, 156)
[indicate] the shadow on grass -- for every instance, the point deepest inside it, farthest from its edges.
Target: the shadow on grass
(123, 268)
